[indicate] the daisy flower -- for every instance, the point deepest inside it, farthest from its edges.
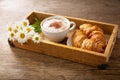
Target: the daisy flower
(16, 27)
(11, 35)
(29, 29)
(36, 38)
(9, 29)
(15, 30)
(22, 36)
(25, 23)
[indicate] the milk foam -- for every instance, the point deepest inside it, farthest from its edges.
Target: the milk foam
(47, 24)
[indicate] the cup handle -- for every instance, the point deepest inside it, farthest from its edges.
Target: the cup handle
(73, 26)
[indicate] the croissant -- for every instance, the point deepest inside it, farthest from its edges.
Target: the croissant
(77, 40)
(89, 37)
(88, 28)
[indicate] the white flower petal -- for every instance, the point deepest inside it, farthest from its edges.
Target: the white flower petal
(36, 38)
(22, 36)
(11, 36)
(25, 23)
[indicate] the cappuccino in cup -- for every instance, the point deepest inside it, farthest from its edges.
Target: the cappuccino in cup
(55, 28)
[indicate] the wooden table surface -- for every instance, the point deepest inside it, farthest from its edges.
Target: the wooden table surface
(21, 64)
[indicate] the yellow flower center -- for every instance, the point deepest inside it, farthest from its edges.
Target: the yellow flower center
(17, 26)
(9, 29)
(28, 29)
(22, 35)
(12, 34)
(15, 30)
(25, 23)
(36, 38)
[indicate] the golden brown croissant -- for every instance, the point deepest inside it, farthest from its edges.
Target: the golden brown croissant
(89, 37)
(88, 28)
(77, 40)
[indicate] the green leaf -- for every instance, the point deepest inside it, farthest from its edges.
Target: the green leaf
(36, 19)
(36, 25)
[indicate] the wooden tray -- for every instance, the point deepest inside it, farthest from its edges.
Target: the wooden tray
(71, 53)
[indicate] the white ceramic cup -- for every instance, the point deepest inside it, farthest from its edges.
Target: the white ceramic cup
(60, 35)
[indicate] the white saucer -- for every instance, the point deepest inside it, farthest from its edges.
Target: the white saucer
(69, 41)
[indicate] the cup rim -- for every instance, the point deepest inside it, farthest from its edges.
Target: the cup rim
(57, 16)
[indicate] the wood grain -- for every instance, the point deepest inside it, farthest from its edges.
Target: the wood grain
(19, 64)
